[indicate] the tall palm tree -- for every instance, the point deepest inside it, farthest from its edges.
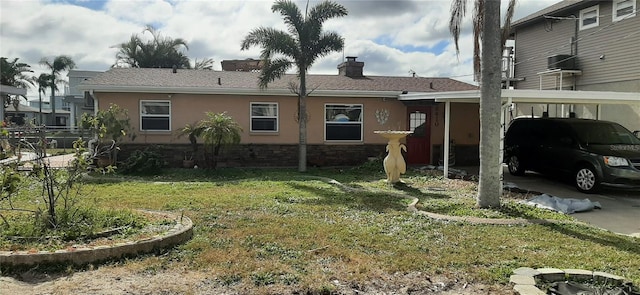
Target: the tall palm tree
(487, 67)
(300, 47)
(59, 64)
(159, 52)
(43, 81)
(14, 74)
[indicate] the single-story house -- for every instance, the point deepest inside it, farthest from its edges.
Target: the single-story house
(28, 114)
(344, 110)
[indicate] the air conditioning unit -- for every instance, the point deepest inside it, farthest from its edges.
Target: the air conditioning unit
(562, 62)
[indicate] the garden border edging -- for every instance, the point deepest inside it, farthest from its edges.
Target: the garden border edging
(181, 232)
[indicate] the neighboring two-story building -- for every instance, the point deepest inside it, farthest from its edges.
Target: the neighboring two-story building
(578, 46)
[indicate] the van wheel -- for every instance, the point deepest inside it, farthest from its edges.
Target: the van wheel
(586, 179)
(515, 166)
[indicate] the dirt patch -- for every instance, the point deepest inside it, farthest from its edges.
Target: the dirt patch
(122, 280)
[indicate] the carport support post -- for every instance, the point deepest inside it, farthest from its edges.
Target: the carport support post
(447, 113)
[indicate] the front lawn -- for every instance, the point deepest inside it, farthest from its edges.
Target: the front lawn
(259, 228)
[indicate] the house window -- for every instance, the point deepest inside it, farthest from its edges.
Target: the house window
(623, 9)
(589, 17)
(264, 117)
(343, 122)
(417, 124)
(88, 99)
(155, 115)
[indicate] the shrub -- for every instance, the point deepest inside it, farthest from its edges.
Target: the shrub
(147, 161)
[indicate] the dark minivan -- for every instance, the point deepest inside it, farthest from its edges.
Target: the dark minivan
(593, 153)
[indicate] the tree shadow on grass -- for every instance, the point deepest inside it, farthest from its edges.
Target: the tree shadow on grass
(418, 193)
(598, 236)
(588, 233)
(358, 197)
(353, 199)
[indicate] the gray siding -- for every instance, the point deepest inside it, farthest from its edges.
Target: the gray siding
(534, 45)
(617, 41)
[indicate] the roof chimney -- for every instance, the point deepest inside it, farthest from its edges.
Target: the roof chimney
(351, 68)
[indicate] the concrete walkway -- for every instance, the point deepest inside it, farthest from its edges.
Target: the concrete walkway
(60, 161)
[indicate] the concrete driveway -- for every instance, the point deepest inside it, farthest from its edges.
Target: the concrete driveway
(620, 211)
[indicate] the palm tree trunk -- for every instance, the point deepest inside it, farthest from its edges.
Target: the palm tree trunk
(53, 98)
(40, 104)
(489, 189)
(302, 121)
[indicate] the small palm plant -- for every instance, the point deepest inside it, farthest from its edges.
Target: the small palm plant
(217, 130)
(192, 132)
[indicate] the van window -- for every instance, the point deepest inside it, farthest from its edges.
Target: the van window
(603, 133)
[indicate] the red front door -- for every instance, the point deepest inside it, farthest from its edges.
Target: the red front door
(419, 143)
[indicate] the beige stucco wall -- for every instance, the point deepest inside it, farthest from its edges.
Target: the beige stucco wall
(190, 108)
(464, 124)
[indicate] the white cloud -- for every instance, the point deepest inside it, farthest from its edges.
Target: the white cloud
(31, 30)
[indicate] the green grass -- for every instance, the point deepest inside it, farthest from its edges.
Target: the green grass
(277, 227)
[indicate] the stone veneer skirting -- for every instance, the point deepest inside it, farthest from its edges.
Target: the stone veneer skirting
(266, 155)
(181, 232)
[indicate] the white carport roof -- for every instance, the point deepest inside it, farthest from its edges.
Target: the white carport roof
(532, 96)
(521, 96)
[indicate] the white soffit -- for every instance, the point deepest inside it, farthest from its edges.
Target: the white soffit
(533, 96)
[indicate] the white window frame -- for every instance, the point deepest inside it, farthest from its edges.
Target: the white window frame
(616, 7)
(142, 115)
(276, 116)
(583, 12)
(361, 122)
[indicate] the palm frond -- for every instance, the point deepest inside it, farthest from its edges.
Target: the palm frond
(326, 10)
(272, 70)
(458, 11)
(506, 28)
(14, 73)
(293, 18)
(159, 52)
(478, 24)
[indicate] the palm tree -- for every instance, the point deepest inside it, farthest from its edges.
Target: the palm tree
(57, 66)
(160, 52)
(204, 64)
(14, 74)
(301, 47)
(217, 130)
(487, 66)
(43, 81)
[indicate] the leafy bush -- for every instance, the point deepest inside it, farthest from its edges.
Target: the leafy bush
(147, 161)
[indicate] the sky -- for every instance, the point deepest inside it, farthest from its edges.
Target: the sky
(392, 37)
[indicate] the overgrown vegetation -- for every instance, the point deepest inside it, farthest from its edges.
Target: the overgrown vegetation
(146, 161)
(108, 127)
(45, 207)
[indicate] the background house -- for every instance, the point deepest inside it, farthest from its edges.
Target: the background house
(78, 101)
(343, 112)
(27, 114)
(578, 45)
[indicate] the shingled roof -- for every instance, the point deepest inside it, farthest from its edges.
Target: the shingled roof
(207, 81)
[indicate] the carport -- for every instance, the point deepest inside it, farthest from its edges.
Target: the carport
(511, 96)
